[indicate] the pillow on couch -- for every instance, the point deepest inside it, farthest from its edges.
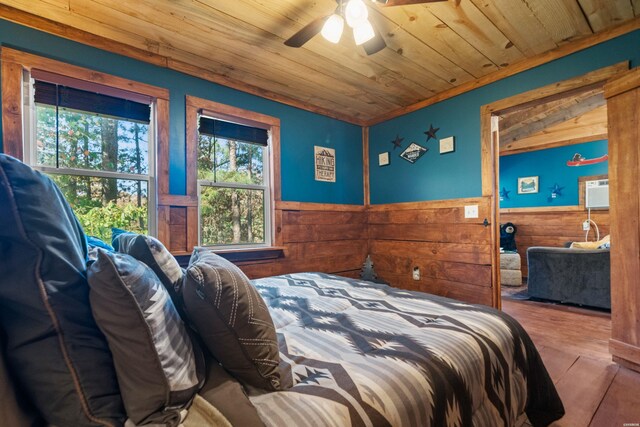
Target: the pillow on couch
(232, 319)
(153, 354)
(153, 253)
(54, 349)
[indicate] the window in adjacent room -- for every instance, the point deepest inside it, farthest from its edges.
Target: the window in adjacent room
(97, 144)
(233, 184)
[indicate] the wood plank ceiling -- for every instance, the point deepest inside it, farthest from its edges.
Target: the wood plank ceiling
(432, 48)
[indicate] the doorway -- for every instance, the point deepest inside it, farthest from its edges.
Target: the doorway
(546, 210)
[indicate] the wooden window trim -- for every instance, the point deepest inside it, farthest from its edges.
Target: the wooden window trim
(195, 106)
(15, 62)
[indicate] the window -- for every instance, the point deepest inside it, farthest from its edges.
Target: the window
(233, 184)
(97, 144)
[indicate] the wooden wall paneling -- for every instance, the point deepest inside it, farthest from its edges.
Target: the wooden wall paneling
(12, 107)
(178, 228)
(453, 253)
(164, 232)
(623, 96)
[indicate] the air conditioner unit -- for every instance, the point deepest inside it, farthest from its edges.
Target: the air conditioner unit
(597, 194)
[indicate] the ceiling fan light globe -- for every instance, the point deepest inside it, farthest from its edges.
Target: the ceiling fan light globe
(363, 32)
(332, 29)
(355, 12)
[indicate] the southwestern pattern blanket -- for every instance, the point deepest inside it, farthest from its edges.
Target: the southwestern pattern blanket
(364, 354)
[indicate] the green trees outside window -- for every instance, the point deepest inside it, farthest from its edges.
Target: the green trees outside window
(231, 177)
(95, 160)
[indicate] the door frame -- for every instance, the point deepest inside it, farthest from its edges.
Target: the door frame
(490, 145)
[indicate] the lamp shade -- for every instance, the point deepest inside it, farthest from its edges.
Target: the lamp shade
(332, 29)
(363, 32)
(355, 12)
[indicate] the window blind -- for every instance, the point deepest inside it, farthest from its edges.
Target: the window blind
(213, 127)
(92, 102)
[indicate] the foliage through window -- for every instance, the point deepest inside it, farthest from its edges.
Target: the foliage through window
(96, 149)
(233, 184)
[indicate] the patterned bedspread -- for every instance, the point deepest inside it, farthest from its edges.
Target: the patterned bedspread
(364, 354)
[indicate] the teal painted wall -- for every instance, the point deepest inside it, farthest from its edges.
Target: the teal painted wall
(458, 174)
(550, 166)
(300, 130)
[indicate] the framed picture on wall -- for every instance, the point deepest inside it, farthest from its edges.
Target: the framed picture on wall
(528, 185)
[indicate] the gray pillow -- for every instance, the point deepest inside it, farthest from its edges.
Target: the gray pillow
(54, 350)
(232, 319)
(154, 358)
(152, 252)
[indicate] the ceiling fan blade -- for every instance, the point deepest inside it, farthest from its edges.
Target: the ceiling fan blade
(388, 3)
(307, 33)
(376, 44)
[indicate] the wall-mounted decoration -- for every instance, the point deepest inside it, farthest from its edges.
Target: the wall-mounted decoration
(325, 163)
(528, 185)
(556, 191)
(447, 145)
(504, 194)
(383, 159)
(413, 152)
(431, 133)
(397, 142)
(578, 160)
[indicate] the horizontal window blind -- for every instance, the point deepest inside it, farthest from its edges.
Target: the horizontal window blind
(77, 99)
(234, 131)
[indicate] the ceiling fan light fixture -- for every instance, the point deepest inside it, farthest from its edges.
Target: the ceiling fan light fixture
(355, 12)
(332, 29)
(363, 32)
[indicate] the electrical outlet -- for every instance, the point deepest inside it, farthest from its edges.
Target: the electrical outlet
(586, 225)
(416, 273)
(471, 211)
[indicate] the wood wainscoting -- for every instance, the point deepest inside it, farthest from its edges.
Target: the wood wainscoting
(453, 253)
(552, 226)
(313, 237)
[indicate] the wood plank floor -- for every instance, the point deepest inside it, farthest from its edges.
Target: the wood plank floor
(573, 343)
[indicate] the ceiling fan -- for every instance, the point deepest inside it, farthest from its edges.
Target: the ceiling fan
(355, 13)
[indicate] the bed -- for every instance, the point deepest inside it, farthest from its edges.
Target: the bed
(365, 354)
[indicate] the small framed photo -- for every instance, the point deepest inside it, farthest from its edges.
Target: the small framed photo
(447, 145)
(383, 159)
(528, 185)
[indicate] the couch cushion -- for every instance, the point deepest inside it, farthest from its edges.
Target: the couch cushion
(153, 253)
(232, 319)
(55, 350)
(153, 354)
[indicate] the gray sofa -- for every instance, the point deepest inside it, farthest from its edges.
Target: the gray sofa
(578, 276)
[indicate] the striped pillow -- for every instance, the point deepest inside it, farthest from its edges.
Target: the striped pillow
(152, 252)
(154, 358)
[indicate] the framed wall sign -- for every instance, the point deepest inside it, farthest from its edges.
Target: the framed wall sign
(447, 145)
(528, 185)
(325, 164)
(383, 159)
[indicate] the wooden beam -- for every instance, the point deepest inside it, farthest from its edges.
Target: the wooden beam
(559, 113)
(12, 109)
(515, 68)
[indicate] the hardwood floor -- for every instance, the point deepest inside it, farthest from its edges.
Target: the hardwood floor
(573, 343)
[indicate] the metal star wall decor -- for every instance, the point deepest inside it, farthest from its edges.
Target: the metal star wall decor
(504, 194)
(431, 133)
(397, 142)
(556, 191)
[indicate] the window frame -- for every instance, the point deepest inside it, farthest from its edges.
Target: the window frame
(19, 123)
(197, 107)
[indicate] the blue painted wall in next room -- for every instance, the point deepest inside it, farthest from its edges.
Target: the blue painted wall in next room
(300, 131)
(458, 174)
(550, 166)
